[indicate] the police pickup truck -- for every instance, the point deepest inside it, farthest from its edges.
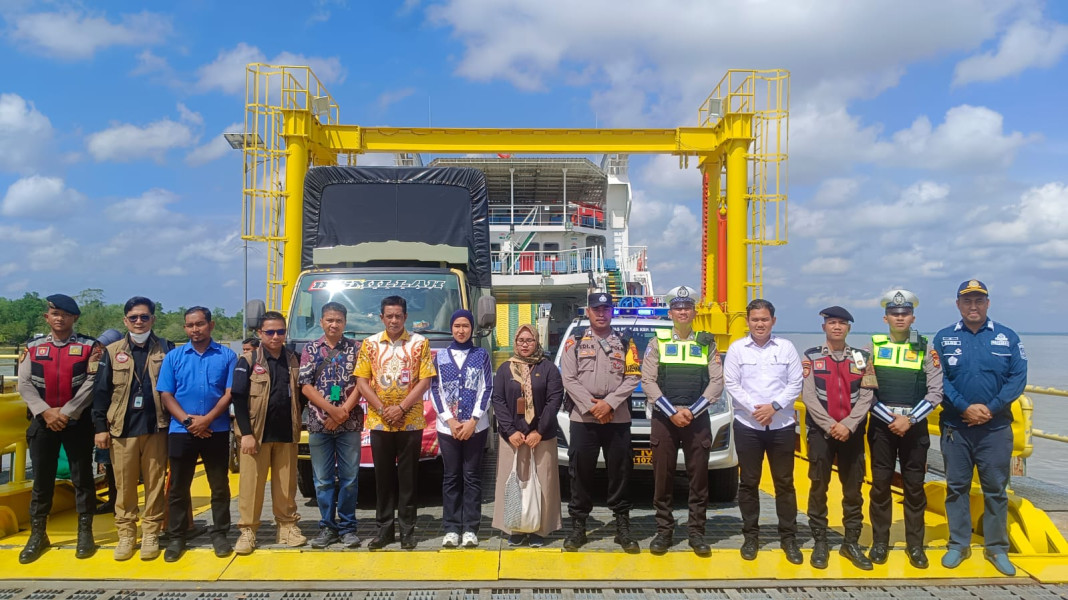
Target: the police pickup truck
(722, 461)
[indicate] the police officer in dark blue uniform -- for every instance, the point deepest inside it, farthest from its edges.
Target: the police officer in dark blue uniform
(985, 371)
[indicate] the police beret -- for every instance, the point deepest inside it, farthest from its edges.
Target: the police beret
(972, 285)
(899, 299)
(63, 302)
(836, 312)
(599, 299)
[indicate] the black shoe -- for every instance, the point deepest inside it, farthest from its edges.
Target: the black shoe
(878, 553)
(853, 552)
(221, 545)
(623, 538)
(174, 550)
(820, 553)
(750, 547)
(326, 537)
(699, 545)
(577, 538)
(37, 543)
(408, 541)
(86, 546)
(105, 508)
(918, 557)
(383, 539)
(661, 542)
(792, 552)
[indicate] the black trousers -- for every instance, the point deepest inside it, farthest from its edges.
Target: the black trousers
(778, 445)
(587, 441)
(696, 443)
(461, 482)
(823, 451)
(77, 439)
(886, 449)
(396, 458)
(183, 449)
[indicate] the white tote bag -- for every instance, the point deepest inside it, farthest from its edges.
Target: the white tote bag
(522, 499)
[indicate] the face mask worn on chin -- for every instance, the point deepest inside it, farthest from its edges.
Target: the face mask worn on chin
(140, 338)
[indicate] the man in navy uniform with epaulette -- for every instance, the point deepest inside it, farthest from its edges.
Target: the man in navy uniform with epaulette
(985, 372)
(837, 397)
(909, 378)
(683, 372)
(56, 375)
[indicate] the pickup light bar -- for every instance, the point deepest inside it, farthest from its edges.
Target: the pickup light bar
(649, 312)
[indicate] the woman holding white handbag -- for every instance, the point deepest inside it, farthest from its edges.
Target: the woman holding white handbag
(527, 391)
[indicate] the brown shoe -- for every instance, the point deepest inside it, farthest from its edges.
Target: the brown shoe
(149, 546)
(124, 550)
(289, 534)
(247, 542)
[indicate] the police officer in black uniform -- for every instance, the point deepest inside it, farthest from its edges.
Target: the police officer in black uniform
(837, 398)
(909, 376)
(56, 375)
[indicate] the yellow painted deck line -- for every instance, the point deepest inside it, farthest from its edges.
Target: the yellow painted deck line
(59, 563)
(290, 565)
(1044, 568)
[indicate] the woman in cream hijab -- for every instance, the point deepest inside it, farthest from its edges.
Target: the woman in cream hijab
(527, 392)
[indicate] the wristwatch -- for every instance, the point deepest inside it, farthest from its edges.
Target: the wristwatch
(912, 420)
(776, 406)
(188, 421)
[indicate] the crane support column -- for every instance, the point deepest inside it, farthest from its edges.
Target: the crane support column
(737, 216)
(296, 169)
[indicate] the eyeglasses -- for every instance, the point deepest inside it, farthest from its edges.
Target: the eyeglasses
(525, 341)
(141, 317)
(273, 332)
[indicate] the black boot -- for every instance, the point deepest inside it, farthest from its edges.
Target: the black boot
(629, 544)
(820, 551)
(577, 538)
(38, 542)
(86, 546)
(852, 550)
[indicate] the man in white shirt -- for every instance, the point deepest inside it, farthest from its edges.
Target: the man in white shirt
(762, 374)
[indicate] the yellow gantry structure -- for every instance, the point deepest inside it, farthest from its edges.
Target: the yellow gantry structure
(739, 140)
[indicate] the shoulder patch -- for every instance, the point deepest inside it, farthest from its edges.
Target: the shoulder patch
(935, 360)
(806, 368)
(569, 344)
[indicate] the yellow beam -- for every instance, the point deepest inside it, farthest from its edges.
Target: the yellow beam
(737, 221)
(296, 168)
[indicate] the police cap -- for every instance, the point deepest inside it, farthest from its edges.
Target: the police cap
(599, 299)
(836, 312)
(899, 301)
(681, 295)
(972, 286)
(63, 302)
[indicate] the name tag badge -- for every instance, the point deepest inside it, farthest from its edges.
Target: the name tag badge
(139, 401)
(335, 393)
(405, 376)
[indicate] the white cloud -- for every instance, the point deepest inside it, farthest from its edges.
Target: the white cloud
(150, 208)
(7, 269)
(189, 116)
(25, 134)
(32, 237)
(391, 97)
(76, 35)
(218, 250)
(970, 138)
(827, 265)
(40, 197)
(1026, 44)
(214, 149)
(1040, 216)
(837, 191)
(227, 72)
(126, 142)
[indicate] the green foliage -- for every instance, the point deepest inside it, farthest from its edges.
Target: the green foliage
(23, 318)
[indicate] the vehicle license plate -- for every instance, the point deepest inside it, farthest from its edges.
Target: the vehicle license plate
(643, 456)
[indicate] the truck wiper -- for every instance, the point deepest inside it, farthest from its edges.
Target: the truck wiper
(432, 331)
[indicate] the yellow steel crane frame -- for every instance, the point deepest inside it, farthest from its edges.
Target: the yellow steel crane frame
(740, 141)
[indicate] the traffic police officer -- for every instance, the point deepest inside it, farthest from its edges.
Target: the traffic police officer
(909, 387)
(837, 399)
(55, 378)
(600, 371)
(682, 370)
(985, 372)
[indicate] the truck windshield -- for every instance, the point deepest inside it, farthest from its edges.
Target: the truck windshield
(431, 298)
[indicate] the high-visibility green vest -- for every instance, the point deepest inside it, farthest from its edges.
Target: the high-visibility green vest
(899, 369)
(683, 372)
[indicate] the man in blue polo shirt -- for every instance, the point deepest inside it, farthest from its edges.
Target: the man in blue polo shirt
(985, 370)
(194, 383)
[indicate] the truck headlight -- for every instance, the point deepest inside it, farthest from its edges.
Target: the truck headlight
(718, 407)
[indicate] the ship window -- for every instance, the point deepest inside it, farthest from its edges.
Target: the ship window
(552, 246)
(534, 246)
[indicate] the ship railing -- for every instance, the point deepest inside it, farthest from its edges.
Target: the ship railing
(548, 262)
(1047, 391)
(549, 215)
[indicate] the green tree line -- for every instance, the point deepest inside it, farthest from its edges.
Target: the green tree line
(23, 318)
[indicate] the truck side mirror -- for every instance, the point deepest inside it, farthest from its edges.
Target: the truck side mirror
(254, 309)
(487, 312)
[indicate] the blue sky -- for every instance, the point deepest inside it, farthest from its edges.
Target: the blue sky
(928, 142)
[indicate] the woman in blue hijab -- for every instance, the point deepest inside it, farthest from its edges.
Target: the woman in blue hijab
(461, 391)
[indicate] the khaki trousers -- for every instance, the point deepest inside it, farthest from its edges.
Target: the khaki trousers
(137, 459)
(281, 459)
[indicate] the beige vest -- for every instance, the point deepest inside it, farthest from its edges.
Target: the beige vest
(259, 392)
(122, 377)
